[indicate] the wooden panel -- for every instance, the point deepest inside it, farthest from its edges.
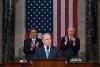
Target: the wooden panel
(51, 63)
(48, 63)
(16, 65)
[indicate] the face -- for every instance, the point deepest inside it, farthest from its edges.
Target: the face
(33, 33)
(47, 40)
(71, 32)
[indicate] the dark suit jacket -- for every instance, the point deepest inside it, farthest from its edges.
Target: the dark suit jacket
(54, 53)
(70, 50)
(28, 50)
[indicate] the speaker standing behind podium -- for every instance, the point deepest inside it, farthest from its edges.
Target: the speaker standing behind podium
(70, 45)
(47, 51)
(31, 44)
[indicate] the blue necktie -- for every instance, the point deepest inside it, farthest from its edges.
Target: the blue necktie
(47, 52)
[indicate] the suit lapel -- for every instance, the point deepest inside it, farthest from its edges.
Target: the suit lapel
(36, 40)
(51, 52)
(43, 52)
(30, 42)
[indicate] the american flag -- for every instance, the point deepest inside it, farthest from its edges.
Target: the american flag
(53, 16)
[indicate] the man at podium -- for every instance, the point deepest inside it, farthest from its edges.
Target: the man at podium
(47, 51)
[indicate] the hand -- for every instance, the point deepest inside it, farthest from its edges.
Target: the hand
(65, 43)
(74, 41)
(66, 40)
(37, 44)
(32, 49)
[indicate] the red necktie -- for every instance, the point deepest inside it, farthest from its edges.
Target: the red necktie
(33, 43)
(70, 40)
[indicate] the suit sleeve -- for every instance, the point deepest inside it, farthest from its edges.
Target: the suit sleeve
(59, 54)
(36, 53)
(27, 48)
(62, 46)
(77, 45)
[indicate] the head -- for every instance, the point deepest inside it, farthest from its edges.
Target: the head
(34, 33)
(71, 31)
(46, 39)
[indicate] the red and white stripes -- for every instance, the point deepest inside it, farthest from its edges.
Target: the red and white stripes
(64, 15)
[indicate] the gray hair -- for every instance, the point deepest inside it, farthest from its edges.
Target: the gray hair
(45, 35)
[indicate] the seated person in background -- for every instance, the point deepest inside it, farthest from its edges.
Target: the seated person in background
(47, 51)
(70, 45)
(31, 44)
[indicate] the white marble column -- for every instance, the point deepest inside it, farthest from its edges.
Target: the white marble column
(19, 28)
(81, 26)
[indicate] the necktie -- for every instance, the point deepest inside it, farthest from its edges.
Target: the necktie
(70, 40)
(47, 52)
(33, 43)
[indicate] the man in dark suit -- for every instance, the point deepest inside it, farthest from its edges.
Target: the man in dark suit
(47, 51)
(31, 44)
(70, 45)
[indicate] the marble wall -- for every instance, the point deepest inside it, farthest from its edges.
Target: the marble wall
(19, 28)
(81, 26)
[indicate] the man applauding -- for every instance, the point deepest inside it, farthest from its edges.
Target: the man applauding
(30, 44)
(70, 44)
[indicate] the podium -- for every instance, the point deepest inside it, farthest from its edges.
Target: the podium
(51, 63)
(48, 63)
